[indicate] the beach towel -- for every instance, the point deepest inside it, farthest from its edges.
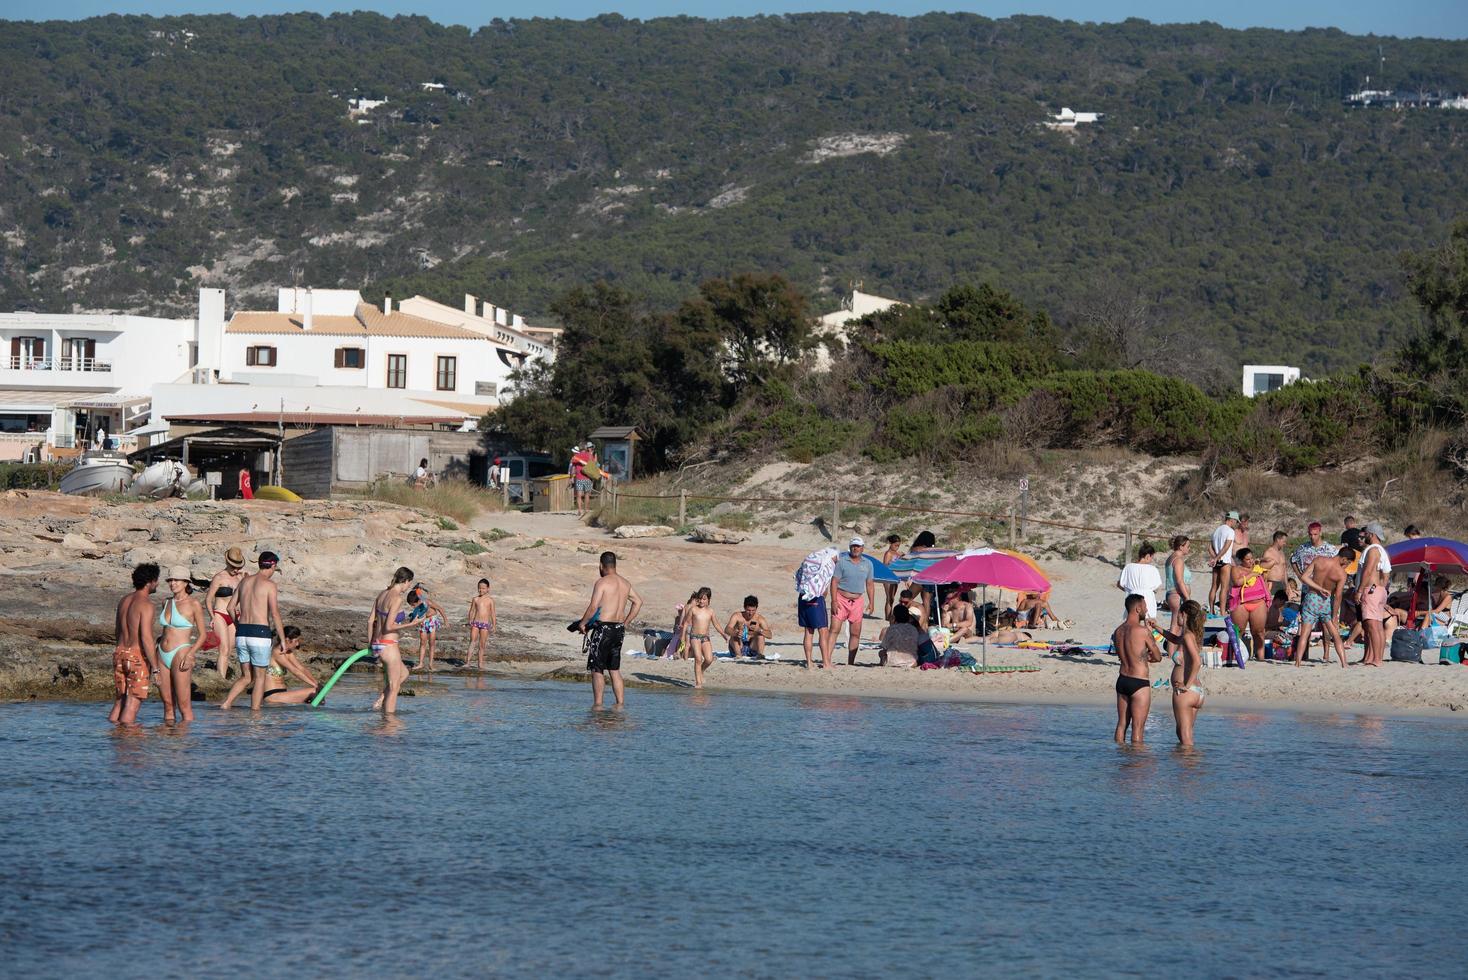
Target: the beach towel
(813, 578)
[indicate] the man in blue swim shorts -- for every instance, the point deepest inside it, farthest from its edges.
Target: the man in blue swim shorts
(1323, 581)
(812, 582)
(256, 607)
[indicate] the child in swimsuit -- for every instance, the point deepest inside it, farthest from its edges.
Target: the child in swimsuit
(698, 622)
(431, 617)
(481, 622)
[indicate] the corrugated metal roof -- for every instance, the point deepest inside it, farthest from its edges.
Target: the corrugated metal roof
(317, 418)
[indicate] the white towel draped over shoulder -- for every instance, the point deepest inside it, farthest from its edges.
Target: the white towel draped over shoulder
(813, 578)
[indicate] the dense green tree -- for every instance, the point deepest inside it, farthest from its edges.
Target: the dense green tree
(1438, 278)
(760, 323)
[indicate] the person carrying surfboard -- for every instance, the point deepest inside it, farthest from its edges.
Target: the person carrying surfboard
(582, 457)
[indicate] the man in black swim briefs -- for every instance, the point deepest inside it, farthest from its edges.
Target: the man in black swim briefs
(1137, 648)
(614, 603)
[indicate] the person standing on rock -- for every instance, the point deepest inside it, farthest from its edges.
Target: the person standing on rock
(135, 660)
(614, 603)
(256, 608)
(219, 599)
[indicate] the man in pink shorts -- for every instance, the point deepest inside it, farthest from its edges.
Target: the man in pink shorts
(853, 589)
(1376, 573)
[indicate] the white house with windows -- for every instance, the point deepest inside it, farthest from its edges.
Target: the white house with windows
(319, 353)
(65, 376)
(331, 338)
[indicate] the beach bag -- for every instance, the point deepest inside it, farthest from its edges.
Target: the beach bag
(929, 655)
(1451, 654)
(1407, 646)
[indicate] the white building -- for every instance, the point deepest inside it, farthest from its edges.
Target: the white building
(64, 372)
(1070, 119)
(853, 307)
(66, 376)
(1261, 379)
(330, 338)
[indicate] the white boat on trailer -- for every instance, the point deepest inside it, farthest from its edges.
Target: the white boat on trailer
(101, 471)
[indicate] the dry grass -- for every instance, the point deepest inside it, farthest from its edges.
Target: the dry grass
(458, 499)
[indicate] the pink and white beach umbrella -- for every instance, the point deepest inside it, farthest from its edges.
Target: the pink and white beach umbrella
(985, 567)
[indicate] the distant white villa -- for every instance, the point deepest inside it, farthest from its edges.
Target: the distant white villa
(1070, 119)
(853, 307)
(1261, 379)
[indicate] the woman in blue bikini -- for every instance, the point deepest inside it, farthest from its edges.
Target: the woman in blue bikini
(184, 629)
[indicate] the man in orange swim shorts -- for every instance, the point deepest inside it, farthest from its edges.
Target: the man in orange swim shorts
(135, 661)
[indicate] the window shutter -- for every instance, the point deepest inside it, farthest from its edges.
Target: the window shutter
(249, 357)
(38, 348)
(341, 357)
(15, 348)
(270, 357)
(89, 349)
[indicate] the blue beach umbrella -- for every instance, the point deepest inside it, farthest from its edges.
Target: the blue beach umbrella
(881, 573)
(909, 565)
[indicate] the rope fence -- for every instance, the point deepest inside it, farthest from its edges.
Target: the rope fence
(613, 497)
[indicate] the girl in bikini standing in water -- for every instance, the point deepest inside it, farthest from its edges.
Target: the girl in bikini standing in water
(1187, 666)
(218, 600)
(184, 627)
(382, 637)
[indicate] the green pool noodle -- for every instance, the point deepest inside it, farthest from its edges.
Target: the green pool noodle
(346, 664)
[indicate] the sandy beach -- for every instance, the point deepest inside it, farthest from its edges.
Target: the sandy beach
(67, 559)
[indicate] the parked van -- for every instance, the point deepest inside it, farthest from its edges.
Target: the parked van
(518, 470)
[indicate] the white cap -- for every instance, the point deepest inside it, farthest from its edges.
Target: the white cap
(857, 542)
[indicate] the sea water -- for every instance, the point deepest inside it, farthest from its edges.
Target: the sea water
(504, 827)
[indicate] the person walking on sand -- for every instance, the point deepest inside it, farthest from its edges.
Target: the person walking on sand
(1322, 585)
(184, 628)
(1376, 572)
(853, 588)
(1220, 558)
(135, 658)
(256, 608)
(481, 623)
(580, 482)
(614, 603)
(698, 622)
(1136, 648)
(1187, 666)
(747, 631)
(812, 582)
(219, 600)
(387, 618)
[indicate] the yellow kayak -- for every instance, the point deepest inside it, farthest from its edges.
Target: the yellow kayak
(277, 493)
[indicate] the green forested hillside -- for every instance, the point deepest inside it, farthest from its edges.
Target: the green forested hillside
(1226, 189)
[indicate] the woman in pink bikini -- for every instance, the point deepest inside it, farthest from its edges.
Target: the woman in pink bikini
(218, 600)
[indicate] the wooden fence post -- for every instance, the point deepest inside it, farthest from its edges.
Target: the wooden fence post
(682, 508)
(1126, 555)
(505, 490)
(1011, 526)
(835, 514)
(616, 501)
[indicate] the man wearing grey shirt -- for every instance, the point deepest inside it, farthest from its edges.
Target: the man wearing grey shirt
(853, 589)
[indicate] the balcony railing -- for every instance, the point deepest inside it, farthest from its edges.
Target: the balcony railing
(23, 363)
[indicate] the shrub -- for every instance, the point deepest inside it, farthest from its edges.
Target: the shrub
(458, 499)
(907, 368)
(32, 476)
(1138, 409)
